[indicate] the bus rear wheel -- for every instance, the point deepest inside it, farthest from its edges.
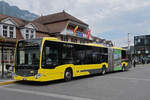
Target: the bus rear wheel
(68, 75)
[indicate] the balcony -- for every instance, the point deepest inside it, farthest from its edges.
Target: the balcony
(78, 34)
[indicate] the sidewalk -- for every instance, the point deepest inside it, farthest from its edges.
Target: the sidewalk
(6, 80)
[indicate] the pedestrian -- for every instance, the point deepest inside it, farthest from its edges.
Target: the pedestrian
(142, 61)
(134, 63)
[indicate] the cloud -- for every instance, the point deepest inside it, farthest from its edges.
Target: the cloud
(110, 19)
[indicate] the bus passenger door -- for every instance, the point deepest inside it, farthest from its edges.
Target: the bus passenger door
(50, 60)
(117, 60)
(110, 59)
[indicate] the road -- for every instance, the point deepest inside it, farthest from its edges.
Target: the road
(130, 85)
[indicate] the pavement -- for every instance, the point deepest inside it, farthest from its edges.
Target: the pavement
(129, 85)
(5, 80)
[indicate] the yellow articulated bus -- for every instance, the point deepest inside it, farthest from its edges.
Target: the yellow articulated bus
(47, 59)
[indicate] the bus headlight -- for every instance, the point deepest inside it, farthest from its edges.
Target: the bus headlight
(37, 76)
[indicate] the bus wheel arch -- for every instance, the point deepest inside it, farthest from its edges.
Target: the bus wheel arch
(68, 74)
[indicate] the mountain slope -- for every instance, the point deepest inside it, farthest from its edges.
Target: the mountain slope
(16, 12)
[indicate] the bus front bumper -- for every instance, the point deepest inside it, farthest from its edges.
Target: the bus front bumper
(37, 77)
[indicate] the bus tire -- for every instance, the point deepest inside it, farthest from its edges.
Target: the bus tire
(103, 70)
(68, 74)
(123, 68)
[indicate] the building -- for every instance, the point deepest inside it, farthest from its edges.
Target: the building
(61, 25)
(142, 48)
(13, 29)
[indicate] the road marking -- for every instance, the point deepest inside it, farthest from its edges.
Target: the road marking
(127, 78)
(45, 94)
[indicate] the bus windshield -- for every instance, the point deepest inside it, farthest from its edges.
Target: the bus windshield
(28, 54)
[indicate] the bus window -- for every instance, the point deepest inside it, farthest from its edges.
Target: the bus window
(66, 54)
(89, 55)
(28, 54)
(50, 56)
(79, 54)
(97, 55)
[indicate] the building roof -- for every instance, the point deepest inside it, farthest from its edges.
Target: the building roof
(22, 23)
(56, 27)
(58, 17)
(18, 21)
(40, 27)
(2, 17)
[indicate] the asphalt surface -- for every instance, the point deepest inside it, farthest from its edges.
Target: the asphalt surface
(130, 85)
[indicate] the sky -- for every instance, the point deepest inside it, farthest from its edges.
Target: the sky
(108, 19)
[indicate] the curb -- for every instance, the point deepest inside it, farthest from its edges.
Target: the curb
(7, 82)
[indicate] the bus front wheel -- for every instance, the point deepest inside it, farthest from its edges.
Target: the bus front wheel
(68, 75)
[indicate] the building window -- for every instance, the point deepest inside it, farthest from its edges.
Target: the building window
(73, 40)
(27, 36)
(8, 31)
(62, 38)
(11, 56)
(11, 32)
(32, 34)
(32, 31)
(27, 31)
(5, 55)
(65, 38)
(139, 40)
(82, 41)
(5, 30)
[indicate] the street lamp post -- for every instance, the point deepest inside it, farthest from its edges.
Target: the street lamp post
(128, 41)
(129, 51)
